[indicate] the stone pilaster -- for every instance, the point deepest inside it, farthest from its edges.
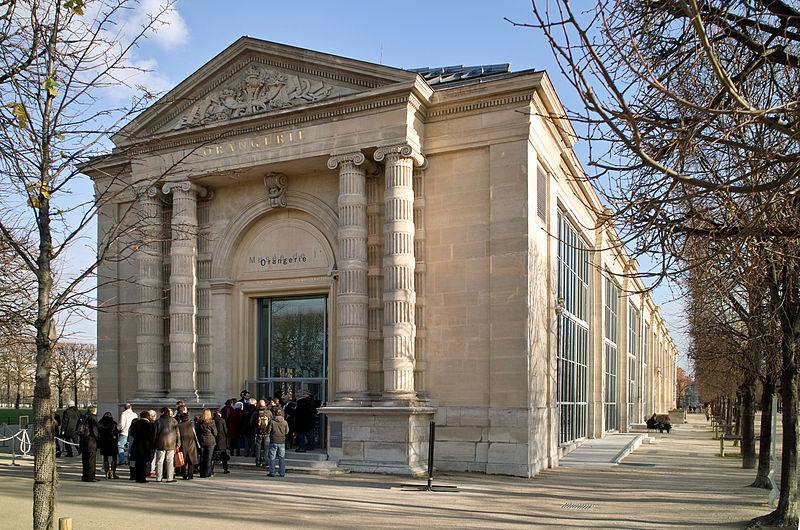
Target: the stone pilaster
(352, 358)
(399, 296)
(150, 338)
(183, 289)
(420, 342)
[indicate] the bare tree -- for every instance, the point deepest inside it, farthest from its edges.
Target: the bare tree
(17, 359)
(61, 59)
(691, 111)
(80, 360)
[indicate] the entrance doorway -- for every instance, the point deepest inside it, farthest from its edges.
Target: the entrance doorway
(293, 353)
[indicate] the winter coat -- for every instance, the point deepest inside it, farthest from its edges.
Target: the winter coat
(188, 441)
(305, 414)
(232, 422)
(278, 429)
(125, 420)
(70, 421)
(108, 436)
(143, 433)
(254, 421)
(89, 442)
(245, 423)
(167, 436)
(207, 433)
(222, 433)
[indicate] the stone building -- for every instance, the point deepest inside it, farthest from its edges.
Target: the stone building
(407, 245)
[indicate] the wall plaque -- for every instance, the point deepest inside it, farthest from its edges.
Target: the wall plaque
(335, 434)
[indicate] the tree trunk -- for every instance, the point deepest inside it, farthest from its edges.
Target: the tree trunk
(747, 423)
(18, 398)
(60, 397)
(765, 437)
(75, 394)
(785, 515)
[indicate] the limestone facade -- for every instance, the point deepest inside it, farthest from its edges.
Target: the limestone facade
(422, 214)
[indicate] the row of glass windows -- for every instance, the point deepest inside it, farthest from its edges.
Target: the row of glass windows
(574, 348)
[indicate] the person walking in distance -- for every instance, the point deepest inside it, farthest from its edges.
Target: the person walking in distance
(88, 432)
(305, 413)
(278, 428)
(108, 444)
(207, 436)
(125, 421)
(167, 439)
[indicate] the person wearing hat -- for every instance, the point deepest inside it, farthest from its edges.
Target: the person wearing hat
(69, 428)
(89, 434)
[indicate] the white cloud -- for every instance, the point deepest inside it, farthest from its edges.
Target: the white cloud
(169, 31)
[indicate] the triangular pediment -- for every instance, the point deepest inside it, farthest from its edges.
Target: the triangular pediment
(252, 78)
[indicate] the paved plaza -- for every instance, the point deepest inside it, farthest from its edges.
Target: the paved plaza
(678, 482)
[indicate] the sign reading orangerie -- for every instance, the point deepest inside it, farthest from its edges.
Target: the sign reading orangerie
(247, 145)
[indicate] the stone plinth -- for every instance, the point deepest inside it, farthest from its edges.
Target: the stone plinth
(379, 439)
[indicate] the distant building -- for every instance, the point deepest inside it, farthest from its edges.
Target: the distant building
(386, 239)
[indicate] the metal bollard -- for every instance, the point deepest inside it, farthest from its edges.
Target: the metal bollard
(65, 523)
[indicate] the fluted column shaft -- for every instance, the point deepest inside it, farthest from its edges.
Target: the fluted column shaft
(183, 288)
(150, 337)
(352, 359)
(399, 296)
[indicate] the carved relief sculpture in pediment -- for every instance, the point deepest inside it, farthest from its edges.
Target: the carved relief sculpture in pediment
(275, 184)
(258, 90)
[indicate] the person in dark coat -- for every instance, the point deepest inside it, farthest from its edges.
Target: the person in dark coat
(69, 426)
(207, 436)
(188, 445)
(57, 432)
(221, 449)
(305, 416)
(247, 436)
(89, 438)
(289, 415)
(143, 434)
(108, 440)
(232, 422)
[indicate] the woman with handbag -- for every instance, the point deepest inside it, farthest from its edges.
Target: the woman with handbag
(188, 447)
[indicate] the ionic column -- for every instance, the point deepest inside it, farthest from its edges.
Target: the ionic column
(183, 288)
(150, 337)
(399, 296)
(352, 358)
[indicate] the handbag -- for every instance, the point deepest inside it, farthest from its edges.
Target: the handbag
(180, 460)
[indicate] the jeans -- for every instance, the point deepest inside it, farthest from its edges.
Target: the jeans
(262, 445)
(165, 458)
(246, 444)
(123, 452)
(68, 447)
(301, 441)
(279, 451)
(206, 461)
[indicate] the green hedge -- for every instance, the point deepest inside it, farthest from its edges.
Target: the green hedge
(11, 416)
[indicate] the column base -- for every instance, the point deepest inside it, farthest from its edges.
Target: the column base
(379, 439)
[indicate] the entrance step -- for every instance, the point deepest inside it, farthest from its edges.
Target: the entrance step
(314, 463)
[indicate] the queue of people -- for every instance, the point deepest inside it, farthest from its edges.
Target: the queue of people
(159, 446)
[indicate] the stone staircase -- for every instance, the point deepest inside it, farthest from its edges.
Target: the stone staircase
(312, 462)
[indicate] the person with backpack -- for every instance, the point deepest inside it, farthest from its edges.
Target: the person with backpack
(88, 432)
(260, 426)
(278, 428)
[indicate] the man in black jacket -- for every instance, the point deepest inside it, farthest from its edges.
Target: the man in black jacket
(89, 433)
(69, 426)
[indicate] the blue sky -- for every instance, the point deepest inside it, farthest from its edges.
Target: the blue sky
(407, 35)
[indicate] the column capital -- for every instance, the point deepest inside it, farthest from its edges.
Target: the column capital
(185, 186)
(402, 151)
(356, 157)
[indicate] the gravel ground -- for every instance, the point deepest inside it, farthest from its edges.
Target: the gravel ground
(678, 482)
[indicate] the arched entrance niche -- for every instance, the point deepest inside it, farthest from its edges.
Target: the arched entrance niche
(269, 256)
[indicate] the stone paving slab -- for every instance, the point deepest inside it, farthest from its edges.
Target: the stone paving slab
(677, 483)
(607, 451)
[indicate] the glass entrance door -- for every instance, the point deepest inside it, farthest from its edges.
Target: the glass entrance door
(293, 352)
